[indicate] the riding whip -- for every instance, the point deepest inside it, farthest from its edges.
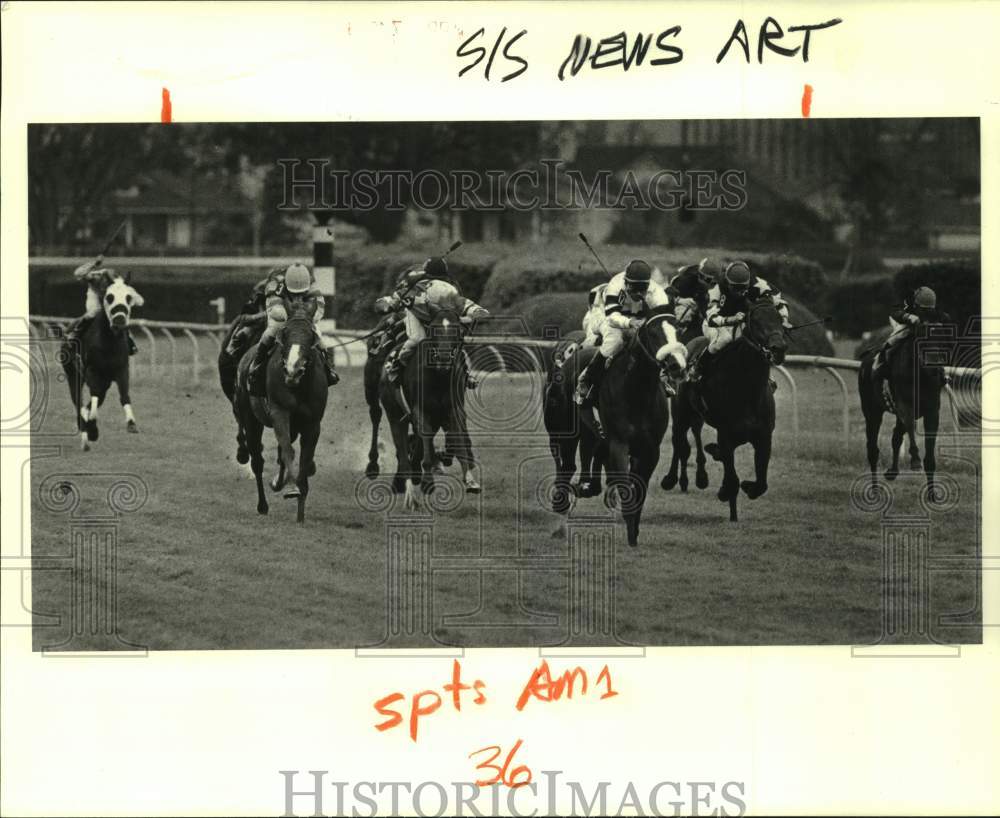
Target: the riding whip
(583, 238)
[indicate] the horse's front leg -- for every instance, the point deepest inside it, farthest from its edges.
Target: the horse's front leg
(931, 420)
(700, 473)
(618, 474)
(287, 470)
(122, 380)
(307, 448)
(375, 415)
(730, 489)
(761, 460)
(906, 414)
(898, 432)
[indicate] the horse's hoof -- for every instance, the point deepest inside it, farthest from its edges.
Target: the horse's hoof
(916, 464)
(92, 431)
(891, 474)
(446, 459)
(132, 427)
(312, 469)
(684, 484)
(713, 450)
(262, 508)
(84, 446)
(472, 486)
(242, 456)
(292, 492)
(371, 471)
(701, 480)
(633, 541)
(752, 490)
(398, 484)
(668, 482)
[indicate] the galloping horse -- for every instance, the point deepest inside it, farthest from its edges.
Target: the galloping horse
(915, 386)
(689, 321)
(294, 406)
(634, 410)
(100, 359)
(569, 426)
(735, 397)
(430, 398)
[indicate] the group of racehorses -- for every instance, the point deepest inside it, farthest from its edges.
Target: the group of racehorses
(734, 395)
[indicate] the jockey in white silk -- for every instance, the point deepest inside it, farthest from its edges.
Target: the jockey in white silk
(629, 296)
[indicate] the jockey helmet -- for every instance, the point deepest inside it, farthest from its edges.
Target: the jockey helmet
(637, 277)
(737, 276)
(710, 269)
(436, 267)
(297, 278)
(925, 298)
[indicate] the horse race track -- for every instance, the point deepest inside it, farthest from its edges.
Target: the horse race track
(197, 568)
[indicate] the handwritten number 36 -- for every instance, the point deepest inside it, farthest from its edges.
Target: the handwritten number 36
(517, 777)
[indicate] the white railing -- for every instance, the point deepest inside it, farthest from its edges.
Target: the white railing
(353, 353)
(155, 335)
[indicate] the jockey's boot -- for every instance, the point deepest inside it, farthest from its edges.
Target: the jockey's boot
(589, 382)
(132, 348)
(76, 329)
(397, 363)
(332, 378)
(256, 380)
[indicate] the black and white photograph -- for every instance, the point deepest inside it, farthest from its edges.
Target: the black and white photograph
(606, 383)
(526, 408)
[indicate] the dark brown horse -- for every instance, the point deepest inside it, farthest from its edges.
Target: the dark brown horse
(735, 397)
(296, 400)
(915, 377)
(569, 426)
(99, 357)
(689, 323)
(635, 413)
(430, 398)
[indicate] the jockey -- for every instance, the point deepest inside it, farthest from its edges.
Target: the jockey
(594, 316)
(422, 294)
(392, 324)
(919, 306)
(254, 312)
(283, 287)
(98, 278)
(629, 296)
(728, 303)
(690, 287)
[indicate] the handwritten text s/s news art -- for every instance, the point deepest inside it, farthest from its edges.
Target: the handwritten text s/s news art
(504, 53)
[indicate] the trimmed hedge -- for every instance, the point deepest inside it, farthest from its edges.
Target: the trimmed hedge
(860, 304)
(569, 267)
(498, 275)
(565, 312)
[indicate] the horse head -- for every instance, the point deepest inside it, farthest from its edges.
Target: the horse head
(444, 337)
(658, 338)
(296, 338)
(765, 332)
(119, 298)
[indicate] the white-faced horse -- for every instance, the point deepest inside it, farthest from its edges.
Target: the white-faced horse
(97, 355)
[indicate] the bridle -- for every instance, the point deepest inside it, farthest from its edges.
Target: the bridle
(747, 336)
(633, 342)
